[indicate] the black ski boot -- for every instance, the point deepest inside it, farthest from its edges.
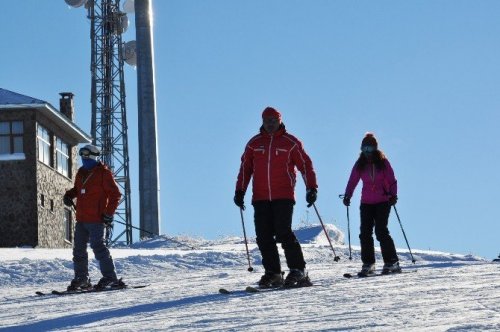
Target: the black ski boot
(79, 283)
(107, 282)
(271, 280)
(297, 278)
(367, 270)
(391, 268)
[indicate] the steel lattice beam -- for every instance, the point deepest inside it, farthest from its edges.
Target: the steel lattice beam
(109, 121)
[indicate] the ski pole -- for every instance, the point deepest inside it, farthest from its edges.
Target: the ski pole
(349, 234)
(397, 215)
(348, 229)
(336, 258)
(250, 268)
(110, 232)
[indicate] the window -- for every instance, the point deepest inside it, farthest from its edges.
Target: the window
(62, 157)
(42, 200)
(44, 146)
(68, 234)
(11, 137)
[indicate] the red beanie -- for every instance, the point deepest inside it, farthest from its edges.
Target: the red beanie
(369, 139)
(270, 112)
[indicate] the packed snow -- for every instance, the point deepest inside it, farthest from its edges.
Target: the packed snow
(440, 292)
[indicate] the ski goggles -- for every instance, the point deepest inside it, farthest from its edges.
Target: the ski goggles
(84, 152)
(368, 149)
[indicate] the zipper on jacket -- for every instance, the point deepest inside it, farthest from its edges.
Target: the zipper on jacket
(269, 167)
(372, 176)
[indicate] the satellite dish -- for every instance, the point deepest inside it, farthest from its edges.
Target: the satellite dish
(128, 6)
(130, 53)
(120, 23)
(89, 4)
(75, 3)
(124, 22)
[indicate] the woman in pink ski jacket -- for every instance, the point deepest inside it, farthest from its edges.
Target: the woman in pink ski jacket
(378, 194)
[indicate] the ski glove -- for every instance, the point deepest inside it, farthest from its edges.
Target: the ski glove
(67, 201)
(393, 200)
(311, 196)
(239, 196)
(107, 220)
(346, 201)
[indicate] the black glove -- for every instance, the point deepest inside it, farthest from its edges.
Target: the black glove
(393, 200)
(107, 220)
(67, 201)
(346, 200)
(311, 196)
(239, 196)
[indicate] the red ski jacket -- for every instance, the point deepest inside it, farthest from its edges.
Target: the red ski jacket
(96, 194)
(271, 159)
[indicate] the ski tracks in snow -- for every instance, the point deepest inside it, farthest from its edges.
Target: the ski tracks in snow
(445, 294)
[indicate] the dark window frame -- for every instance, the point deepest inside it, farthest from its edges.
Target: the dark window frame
(13, 135)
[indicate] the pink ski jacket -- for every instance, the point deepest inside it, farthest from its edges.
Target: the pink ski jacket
(378, 185)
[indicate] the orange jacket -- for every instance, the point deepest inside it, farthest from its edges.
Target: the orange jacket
(96, 194)
(271, 160)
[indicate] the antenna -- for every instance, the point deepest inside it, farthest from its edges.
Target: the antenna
(130, 53)
(109, 116)
(76, 3)
(129, 6)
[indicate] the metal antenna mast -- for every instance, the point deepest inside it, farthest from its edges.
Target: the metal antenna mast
(109, 120)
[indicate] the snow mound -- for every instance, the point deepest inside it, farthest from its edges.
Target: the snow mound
(182, 242)
(315, 234)
(167, 242)
(310, 234)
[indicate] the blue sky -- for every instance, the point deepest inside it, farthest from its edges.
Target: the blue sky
(424, 76)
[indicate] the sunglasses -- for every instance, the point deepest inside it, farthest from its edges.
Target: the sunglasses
(86, 153)
(368, 149)
(270, 120)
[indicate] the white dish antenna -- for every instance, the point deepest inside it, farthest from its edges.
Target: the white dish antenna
(130, 53)
(129, 6)
(120, 23)
(75, 3)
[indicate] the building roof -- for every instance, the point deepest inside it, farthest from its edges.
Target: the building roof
(10, 100)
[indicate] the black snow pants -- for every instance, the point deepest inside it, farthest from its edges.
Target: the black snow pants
(376, 215)
(273, 224)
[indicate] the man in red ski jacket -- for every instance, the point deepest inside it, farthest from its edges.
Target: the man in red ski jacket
(97, 197)
(271, 158)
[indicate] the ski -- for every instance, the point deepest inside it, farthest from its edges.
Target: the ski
(251, 289)
(89, 290)
(371, 275)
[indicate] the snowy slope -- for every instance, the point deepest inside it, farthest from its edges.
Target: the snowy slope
(447, 292)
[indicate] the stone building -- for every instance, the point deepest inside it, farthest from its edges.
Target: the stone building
(38, 162)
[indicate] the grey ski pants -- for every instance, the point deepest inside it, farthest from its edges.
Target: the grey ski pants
(93, 233)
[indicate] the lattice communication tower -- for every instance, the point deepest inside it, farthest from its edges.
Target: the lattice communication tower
(109, 119)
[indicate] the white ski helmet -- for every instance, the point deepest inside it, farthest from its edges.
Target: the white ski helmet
(90, 151)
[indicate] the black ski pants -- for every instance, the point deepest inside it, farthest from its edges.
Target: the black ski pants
(273, 224)
(376, 215)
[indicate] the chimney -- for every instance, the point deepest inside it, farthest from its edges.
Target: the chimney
(66, 105)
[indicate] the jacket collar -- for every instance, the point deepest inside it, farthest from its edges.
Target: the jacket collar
(100, 164)
(281, 130)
